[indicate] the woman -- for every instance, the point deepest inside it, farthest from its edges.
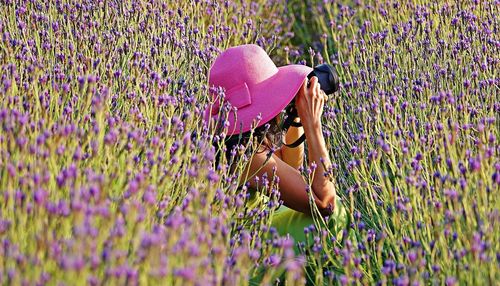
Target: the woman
(256, 88)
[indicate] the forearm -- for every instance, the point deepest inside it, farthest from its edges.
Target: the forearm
(293, 156)
(317, 152)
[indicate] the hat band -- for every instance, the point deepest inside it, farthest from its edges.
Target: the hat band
(239, 96)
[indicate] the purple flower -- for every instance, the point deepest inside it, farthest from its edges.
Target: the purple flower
(451, 281)
(212, 176)
(344, 280)
(4, 225)
(412, 256)
(40, 196)
(185, 273)
(451, 193)
(474, 164)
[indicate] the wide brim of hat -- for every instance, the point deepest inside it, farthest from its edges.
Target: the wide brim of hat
(269, 98)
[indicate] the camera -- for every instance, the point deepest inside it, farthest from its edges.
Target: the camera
(329, 83)
(327, 78)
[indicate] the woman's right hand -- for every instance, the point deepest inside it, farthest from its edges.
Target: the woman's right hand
(309, 103)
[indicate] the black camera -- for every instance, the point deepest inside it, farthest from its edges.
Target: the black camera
(329, 83)
(327, 78)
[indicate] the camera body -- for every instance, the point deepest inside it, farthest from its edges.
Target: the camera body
(327, 78)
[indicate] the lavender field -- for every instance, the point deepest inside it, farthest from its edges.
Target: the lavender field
(108, 173)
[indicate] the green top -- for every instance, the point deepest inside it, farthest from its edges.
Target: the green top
(288, 221)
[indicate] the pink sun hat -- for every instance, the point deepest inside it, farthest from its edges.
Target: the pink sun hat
(253, 84)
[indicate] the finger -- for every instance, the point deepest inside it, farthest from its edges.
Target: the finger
(321, 93)
(304, 86)
(318, 89)
(300, 92)
(313, 82)
(313, 85)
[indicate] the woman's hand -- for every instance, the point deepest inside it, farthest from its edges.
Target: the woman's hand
(309, 103)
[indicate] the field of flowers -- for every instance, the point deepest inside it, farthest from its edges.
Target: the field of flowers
(108, 174)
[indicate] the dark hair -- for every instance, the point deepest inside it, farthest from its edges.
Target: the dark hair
(268, 135)
(271, 135)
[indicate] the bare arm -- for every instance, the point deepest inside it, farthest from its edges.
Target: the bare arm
(322, 186)
(293, 156)
(309, 102)
(292, 185)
